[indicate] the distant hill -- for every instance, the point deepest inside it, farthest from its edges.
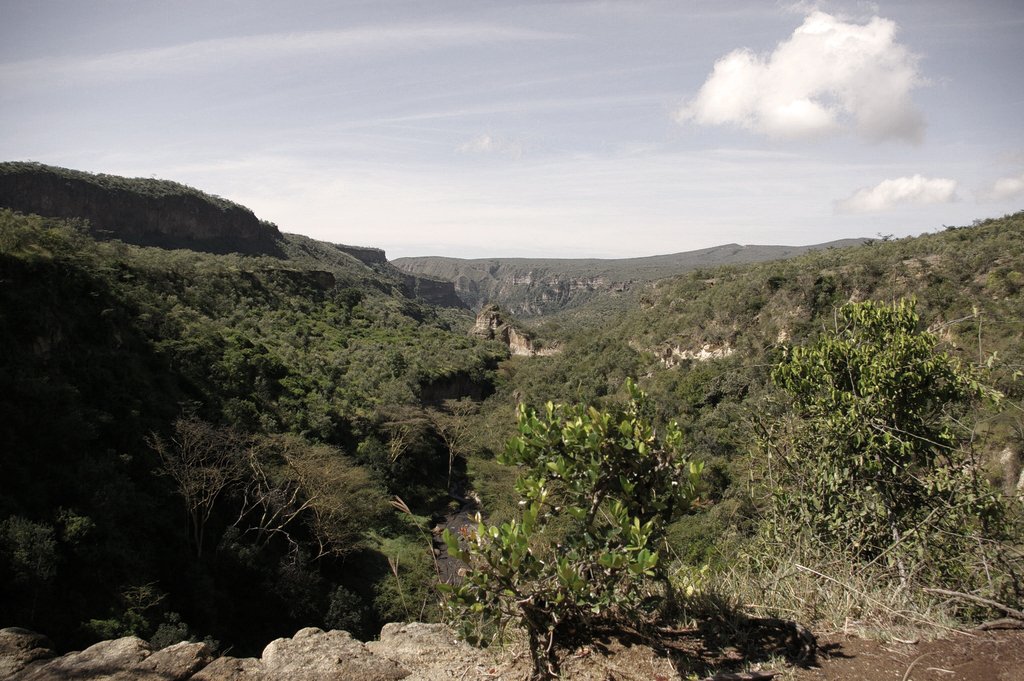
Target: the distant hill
(146, 212)
(166, 214)
(531, 287)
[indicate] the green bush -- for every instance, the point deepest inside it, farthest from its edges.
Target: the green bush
(872, 461)
(597, 491)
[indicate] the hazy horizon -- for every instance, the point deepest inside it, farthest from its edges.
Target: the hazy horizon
(590, 129)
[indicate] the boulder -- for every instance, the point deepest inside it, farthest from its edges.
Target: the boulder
(173, 663)
(315, 655)
(20, 647)
(105, 660)
(427, 651)
(232, 669)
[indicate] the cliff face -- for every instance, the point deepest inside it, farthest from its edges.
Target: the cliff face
(433, 291)
(138, 211)
(530, 287)
(523, 289)
(492, 325)
(171, 215)
(365, 254)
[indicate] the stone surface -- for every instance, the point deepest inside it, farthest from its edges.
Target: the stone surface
(232, 669)
(316, 655)
(19, 647)
(105, 660)
(173, 663)
(428, 651)
(491, 325)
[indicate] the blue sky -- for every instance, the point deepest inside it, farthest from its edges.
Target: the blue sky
(552, 129)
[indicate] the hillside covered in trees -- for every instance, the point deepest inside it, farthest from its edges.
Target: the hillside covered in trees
(228, 446)
(182, 430)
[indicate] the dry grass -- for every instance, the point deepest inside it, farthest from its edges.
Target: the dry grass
(828, 592)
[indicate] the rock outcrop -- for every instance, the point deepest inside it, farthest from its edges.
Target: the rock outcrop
(316, 655)
(123, 659)
(410, 651)
(365, 254)
(139, 211)
(21, 647)
(673, 354)
(433, 291)
(415, 651)
(492, 325)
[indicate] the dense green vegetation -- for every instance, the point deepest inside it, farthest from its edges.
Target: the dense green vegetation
(967, 283)
(873, 458)
(598, 490)
(184, 431)
(866, 464)
(201, 445)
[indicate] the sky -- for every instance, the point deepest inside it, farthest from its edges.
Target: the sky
(486, 128)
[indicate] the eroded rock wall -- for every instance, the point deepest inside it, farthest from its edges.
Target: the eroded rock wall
(171, 216)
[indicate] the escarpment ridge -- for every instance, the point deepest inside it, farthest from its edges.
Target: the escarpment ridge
(532, 287)
(146, 212)
(171, 215)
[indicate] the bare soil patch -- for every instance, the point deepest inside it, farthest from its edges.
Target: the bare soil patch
(962, 656)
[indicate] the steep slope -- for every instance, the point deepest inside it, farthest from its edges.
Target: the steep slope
(275, 404)
(137, 210)
(166, 214)
(535, 286)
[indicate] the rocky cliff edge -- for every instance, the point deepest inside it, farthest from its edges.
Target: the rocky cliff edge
(410, 651)
(417, 652)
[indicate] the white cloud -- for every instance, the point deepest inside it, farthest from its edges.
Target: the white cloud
(828, 76)
(1003, 189)
(490, 144)
(889, 194)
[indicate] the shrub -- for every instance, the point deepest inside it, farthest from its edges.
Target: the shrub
(872, 461)
(597, 491)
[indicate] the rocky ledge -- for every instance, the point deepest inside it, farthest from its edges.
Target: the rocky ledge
(417, 652)
(413, 651)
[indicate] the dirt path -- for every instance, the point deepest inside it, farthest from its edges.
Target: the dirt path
(966, 656)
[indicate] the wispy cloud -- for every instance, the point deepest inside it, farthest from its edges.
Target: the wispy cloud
(1003, 189)
(889, 194)
(828, 76)
(492, 144)
(205, 54)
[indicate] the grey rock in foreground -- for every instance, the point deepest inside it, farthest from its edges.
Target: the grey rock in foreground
(19, 647)
(417, 652)
(314, 655)
(123, 659)
(409, 651)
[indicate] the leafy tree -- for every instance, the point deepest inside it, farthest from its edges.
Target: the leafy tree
(872, 461)
(597, 491)
(28, 550)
